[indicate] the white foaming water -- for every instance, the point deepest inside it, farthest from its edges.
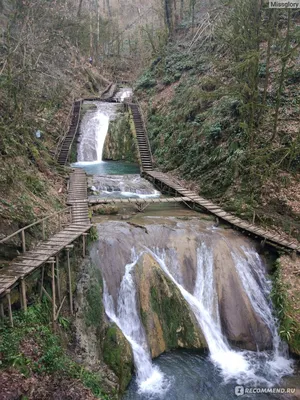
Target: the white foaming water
(149, 377)
(252, 274)
(124, 186)
(93, 131)
(264, 368)
(123, 93)
(242, 366)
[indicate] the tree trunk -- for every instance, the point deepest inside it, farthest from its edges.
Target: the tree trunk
(108, 8)
(168, 16)
(79, 8)
(181, 9)
(285, 59)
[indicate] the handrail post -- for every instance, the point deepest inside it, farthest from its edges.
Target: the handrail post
(59, 222)
(43, 229)
(23, 241)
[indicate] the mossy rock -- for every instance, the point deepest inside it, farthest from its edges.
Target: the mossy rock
(117, 354)
(105, 209)
(168, 320)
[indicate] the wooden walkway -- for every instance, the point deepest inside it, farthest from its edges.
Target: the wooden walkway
(77, 196)
(47, 251)
(64, 152)
(142, 138)
(141, 204)
(165, 182)
(135, 200)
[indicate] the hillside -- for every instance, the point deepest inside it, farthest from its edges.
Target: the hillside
(223, 113)
(43, 68)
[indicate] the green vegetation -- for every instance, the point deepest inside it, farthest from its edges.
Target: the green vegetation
(225, 113)
(171, 311)
(33, 349)
(119, 142)
(289, 328)
(94, 311)
(117, 355)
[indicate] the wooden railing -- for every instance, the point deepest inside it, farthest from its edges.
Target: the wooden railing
(65, 130)
(46, 226)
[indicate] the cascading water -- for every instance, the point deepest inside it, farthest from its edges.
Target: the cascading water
(149, 377)
(123, 186)
(241, 366)
(93, 131)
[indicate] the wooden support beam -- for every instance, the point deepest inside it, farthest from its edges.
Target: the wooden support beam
(43, 230)
(84, 235)
(52, 262)
(58, 279)
(60, 307)
(69, 280)
(23, 241)
(42, 282)
(23, 294)
(9, 309)
(2, 315)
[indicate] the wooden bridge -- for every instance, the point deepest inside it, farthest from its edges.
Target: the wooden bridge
(141, 204)
(167, 184)
(41, 244)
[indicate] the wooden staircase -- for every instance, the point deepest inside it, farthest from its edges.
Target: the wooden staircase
(77, 196)
(142, 138)
(68, 140)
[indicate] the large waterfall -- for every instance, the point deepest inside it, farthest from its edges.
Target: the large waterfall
(241, 366)
(93, 130)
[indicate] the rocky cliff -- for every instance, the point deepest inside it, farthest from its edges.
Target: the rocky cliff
(120, 143)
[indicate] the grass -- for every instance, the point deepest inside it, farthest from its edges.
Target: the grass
(33, 349)
(289, 329)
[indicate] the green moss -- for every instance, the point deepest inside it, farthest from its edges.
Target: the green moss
(94, 312)
(46, 355)
(120, 143)
(172, 313)
(117, 355)
(289, 328)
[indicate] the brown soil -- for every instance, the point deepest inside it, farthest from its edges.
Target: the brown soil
(14, 385)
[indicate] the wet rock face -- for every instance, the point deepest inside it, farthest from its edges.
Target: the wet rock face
(239, 321)
(166, 316)
(100, 344)
(117, 355)
(119, 142)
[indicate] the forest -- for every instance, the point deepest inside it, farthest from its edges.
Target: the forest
(217, 83)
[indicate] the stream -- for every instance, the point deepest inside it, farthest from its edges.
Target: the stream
(218, 272)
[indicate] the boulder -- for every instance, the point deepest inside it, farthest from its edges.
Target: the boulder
(166, 316)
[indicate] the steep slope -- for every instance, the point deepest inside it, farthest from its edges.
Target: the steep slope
(212, 109)
(42, 70)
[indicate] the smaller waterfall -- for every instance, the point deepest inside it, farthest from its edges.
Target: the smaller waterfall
(265, 368)
(150, 378)
(251, 271)
(123, 186)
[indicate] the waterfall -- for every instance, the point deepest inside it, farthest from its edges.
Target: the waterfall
(251, 271)
(149, 377)
(124, 186)
(93, 131)
(241, 366)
